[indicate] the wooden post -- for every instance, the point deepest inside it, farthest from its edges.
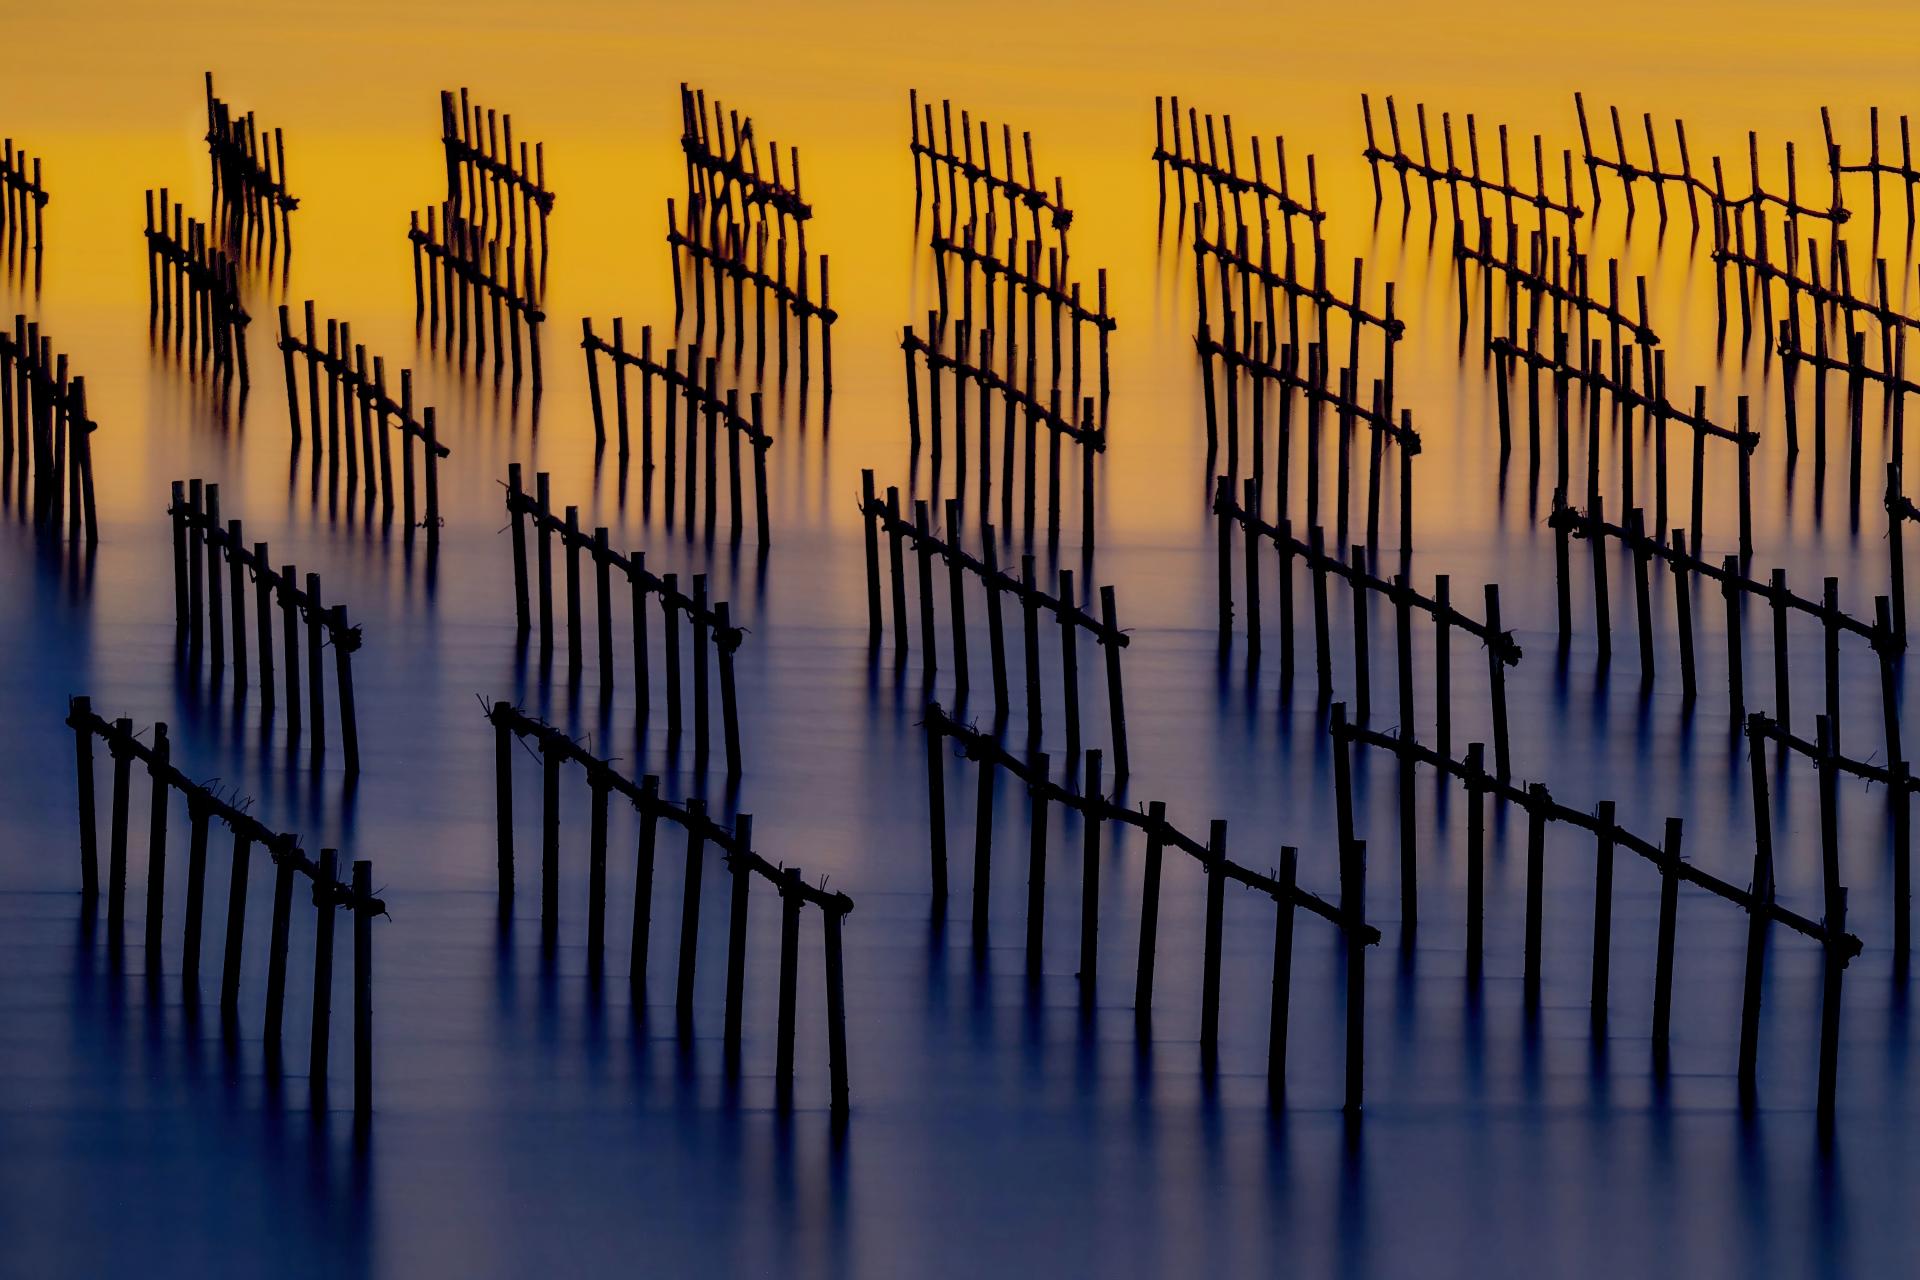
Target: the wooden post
(789, 981)
(1832, 969)
(82, 712)
(836, 1013)
(869, 516)
(897, 563)
(690, 914)
(603, 604)
(724, 642)
(324, 885)
(1090, 879)
(1282, 977)
(1362, 665)
(982, 853)
(316, 700)
(741, 866)
(1149, 914)
(1757, 918)
(1497, 683)
(542, 527)
(1602, 912)
(1041, 769)
(570, 543)
(670, 634)
(158, 770)
(1537, 802)
(343, 687)
(503, 810)
(643, 891)
(1663, 962)
(1409, 835)
(1210, 973)
(1353, 898)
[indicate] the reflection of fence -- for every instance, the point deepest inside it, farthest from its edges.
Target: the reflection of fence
(1502, 650)
(1403, 163)
(203, 807)
(957, 163)
(193, 289)
(1838, 946)
(249, 178)
(46, 434)
(694, 389)
(23, 197)
(713, 635)
(353, 382)
(885, 518)
(200, 539)
(454, 257)
(1095, 810)
(556, 749)
(486, 181)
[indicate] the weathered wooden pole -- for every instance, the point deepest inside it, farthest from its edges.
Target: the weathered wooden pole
(1216, 868)
(790, 902)
(1090, 879)
(323, 889)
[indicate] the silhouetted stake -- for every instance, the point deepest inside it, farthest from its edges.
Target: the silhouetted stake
(1473, 775)
(1423, 167)
(1683, 614)
(1669, 866)
(1149, 915)
(1041, 769)
(1762, 891)
(204, 807)
(350, 383)
(1782, 602)
(789, 979)
(158, 764)
(1216, 867)
(720, 251)
(500, 302)
(937, 823)
(22, 188)
(1090, 885)
(200, 542)
(737, 945)
(1536, 841)
(322, 1013)
(44, 419)
(1353, 880)
(1282, 978)
(198, 286)
(1643, 605)
(89, 832)
(942, 157)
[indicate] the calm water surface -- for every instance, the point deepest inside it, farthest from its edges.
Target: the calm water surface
(529, 1123)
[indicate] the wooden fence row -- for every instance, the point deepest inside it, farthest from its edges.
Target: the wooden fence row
(283, 849)
(714, 638)
(46, 435)
(203, 606)
(885, 518)
(736, 845)
(1095, 810)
